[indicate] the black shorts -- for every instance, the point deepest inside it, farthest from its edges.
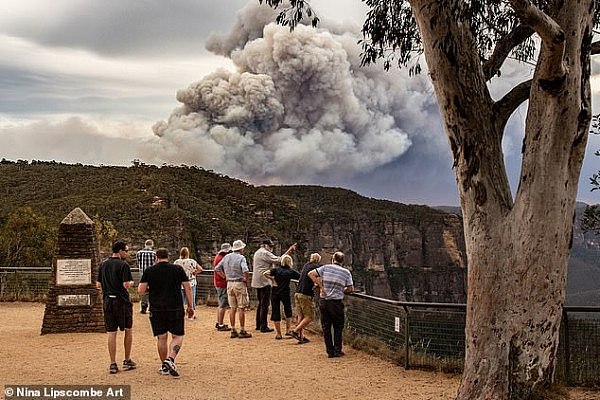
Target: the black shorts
(118, 314)
(284, 299)
(167, 321)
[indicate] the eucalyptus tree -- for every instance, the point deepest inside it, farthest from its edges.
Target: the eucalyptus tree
(517, 246)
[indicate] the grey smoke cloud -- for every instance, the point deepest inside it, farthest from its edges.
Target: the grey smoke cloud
(154, 28)
(298, 108)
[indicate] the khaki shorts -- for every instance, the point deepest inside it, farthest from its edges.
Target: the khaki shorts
(237, 295)
(305, 305)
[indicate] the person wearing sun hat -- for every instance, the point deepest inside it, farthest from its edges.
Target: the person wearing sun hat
(221, 288)
(234, 268)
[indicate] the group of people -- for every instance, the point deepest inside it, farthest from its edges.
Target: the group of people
(271, 279)
(164, 287)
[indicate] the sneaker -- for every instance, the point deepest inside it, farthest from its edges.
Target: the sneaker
(224, 328)
(244, 335)
(234, 333)
(295, 335)
(113, 369)
(267, 330)
(171, 367)
(129, 364)
(163, 370)
(304, 340)
(217, 325)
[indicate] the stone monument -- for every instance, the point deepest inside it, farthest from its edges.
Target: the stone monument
(74, 304)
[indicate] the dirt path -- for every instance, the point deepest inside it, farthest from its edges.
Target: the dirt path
(212, 365)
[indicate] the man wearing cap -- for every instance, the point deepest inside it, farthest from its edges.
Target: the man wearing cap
(221, 288)
(234, 268)
(262, 261)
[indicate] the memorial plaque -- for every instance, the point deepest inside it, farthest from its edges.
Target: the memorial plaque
(74, 272)
(74, 303)
(67, 300)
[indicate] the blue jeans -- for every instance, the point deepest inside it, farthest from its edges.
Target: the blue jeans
(193, 296)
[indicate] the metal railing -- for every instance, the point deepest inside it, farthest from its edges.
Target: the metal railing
(416, 335)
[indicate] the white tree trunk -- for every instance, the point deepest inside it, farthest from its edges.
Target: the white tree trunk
(517, 250)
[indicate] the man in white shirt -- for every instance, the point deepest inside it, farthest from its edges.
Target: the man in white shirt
(262, 261)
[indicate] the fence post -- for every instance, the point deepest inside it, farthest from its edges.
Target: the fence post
(406, 338)
(567, 350)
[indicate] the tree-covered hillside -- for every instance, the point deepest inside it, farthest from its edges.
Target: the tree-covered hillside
(187, 206)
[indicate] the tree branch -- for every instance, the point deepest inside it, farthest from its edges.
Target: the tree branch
(504, 107)
(552, 71)
(503, 48)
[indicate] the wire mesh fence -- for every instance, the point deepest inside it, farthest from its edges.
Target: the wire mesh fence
(24, 283)
(416, 335)
(578, 360)
(422, 335)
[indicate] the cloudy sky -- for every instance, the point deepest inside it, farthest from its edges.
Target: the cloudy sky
(214, 84)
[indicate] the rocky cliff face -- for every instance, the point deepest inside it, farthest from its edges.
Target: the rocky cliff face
(397, 260)
(407, 253)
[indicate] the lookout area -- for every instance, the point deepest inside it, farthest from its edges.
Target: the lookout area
(212, 365)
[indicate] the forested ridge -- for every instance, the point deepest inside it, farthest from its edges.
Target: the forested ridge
(181, 205)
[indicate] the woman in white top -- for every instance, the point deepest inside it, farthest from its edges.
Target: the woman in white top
(191, 268)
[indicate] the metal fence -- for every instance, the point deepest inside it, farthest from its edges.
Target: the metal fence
(415, 335)
(24, 283)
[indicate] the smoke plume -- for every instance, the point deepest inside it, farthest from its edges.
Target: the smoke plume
(299, 107)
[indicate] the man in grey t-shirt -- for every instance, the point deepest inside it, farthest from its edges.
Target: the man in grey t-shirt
(333, 281)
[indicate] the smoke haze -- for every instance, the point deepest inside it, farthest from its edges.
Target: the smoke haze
(298, 109)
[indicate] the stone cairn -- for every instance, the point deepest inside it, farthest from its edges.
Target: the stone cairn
(74, 303)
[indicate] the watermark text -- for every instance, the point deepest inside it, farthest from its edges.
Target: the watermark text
(67, 392)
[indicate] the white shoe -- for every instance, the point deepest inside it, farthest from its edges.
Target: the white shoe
(163, 370)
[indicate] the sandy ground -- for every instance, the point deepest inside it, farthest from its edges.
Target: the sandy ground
(212, 365)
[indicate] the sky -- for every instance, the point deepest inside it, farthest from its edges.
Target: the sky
(217, 85)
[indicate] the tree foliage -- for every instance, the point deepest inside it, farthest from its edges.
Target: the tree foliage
(298, 11)
(391, 32)
(105, 231)
(26, 240)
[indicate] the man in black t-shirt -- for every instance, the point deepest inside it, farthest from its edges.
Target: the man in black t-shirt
(164, 280)
(114, 278)
(303, 298)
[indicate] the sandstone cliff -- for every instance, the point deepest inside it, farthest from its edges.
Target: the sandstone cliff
(400, 252)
